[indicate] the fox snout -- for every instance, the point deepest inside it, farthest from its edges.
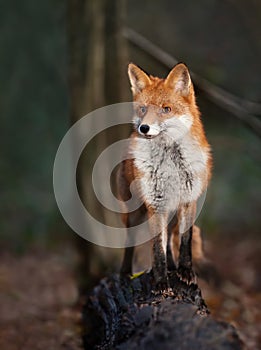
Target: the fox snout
(147, 124)
(144, 129)
(149, 130)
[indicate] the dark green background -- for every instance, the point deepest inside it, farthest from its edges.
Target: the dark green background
(220, 40)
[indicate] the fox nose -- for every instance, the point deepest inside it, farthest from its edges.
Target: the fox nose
(144, 128)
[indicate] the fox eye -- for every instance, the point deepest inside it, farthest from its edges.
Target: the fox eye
(142, 110)
(166, 109)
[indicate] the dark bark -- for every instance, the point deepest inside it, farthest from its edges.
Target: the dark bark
(127, 314)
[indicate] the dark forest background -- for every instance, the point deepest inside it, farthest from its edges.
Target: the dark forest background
(62, 59)
(219, 40)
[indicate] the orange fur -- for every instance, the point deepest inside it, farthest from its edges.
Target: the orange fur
(158, 101)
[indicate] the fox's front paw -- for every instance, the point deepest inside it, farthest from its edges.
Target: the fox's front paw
(162, 282)
(162, 285)
(187, 275)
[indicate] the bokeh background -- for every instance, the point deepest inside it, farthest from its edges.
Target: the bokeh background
(62, 59)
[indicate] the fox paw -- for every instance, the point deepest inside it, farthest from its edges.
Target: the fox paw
(162, 284)
(187, 275)
(162, 289)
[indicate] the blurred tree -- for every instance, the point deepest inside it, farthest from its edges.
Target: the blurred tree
(34, 110)
(97, 77)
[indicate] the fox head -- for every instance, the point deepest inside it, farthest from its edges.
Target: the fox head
(163, 106)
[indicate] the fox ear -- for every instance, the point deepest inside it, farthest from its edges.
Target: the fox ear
(179, 79)
(138, 78)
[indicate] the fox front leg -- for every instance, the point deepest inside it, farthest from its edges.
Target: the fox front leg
(159, 266)
(185, 269)
(158, 228)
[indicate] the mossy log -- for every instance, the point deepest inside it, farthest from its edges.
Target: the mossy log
(128, 314)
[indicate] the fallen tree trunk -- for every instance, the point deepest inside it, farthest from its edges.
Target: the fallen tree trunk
(126, 314)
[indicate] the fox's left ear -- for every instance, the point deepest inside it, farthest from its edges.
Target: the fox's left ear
(179, 79)
(138, 78)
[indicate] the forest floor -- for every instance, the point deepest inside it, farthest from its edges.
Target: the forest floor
(38, 296)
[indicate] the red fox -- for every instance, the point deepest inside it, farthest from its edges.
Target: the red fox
(169, 157)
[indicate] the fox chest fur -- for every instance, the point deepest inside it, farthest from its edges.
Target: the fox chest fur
(170, 173)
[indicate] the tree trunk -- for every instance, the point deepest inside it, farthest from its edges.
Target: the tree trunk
(97, 77)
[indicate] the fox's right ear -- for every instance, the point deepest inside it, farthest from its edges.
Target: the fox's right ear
(179, 79)
(138, 78)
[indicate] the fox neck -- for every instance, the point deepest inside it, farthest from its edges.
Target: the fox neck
(171, 172)
(189, 147)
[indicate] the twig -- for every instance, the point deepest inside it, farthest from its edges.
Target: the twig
(240, 108)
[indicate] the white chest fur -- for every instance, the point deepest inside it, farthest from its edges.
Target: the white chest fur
(171, 173)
